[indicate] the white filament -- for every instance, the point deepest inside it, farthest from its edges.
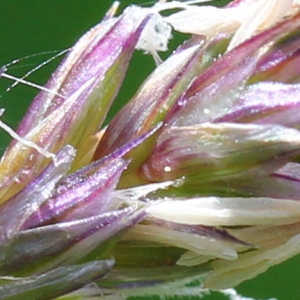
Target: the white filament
(23, 141)
(34, 85)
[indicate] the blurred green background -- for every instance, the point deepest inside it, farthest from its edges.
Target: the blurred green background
(35, 28)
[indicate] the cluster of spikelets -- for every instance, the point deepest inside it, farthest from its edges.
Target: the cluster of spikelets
(196, 177)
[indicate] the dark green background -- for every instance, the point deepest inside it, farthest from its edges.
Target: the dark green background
(36, 26)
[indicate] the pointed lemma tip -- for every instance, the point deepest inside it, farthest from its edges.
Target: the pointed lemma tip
(112, 10)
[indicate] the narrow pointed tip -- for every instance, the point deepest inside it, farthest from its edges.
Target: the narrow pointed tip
(112, 10)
